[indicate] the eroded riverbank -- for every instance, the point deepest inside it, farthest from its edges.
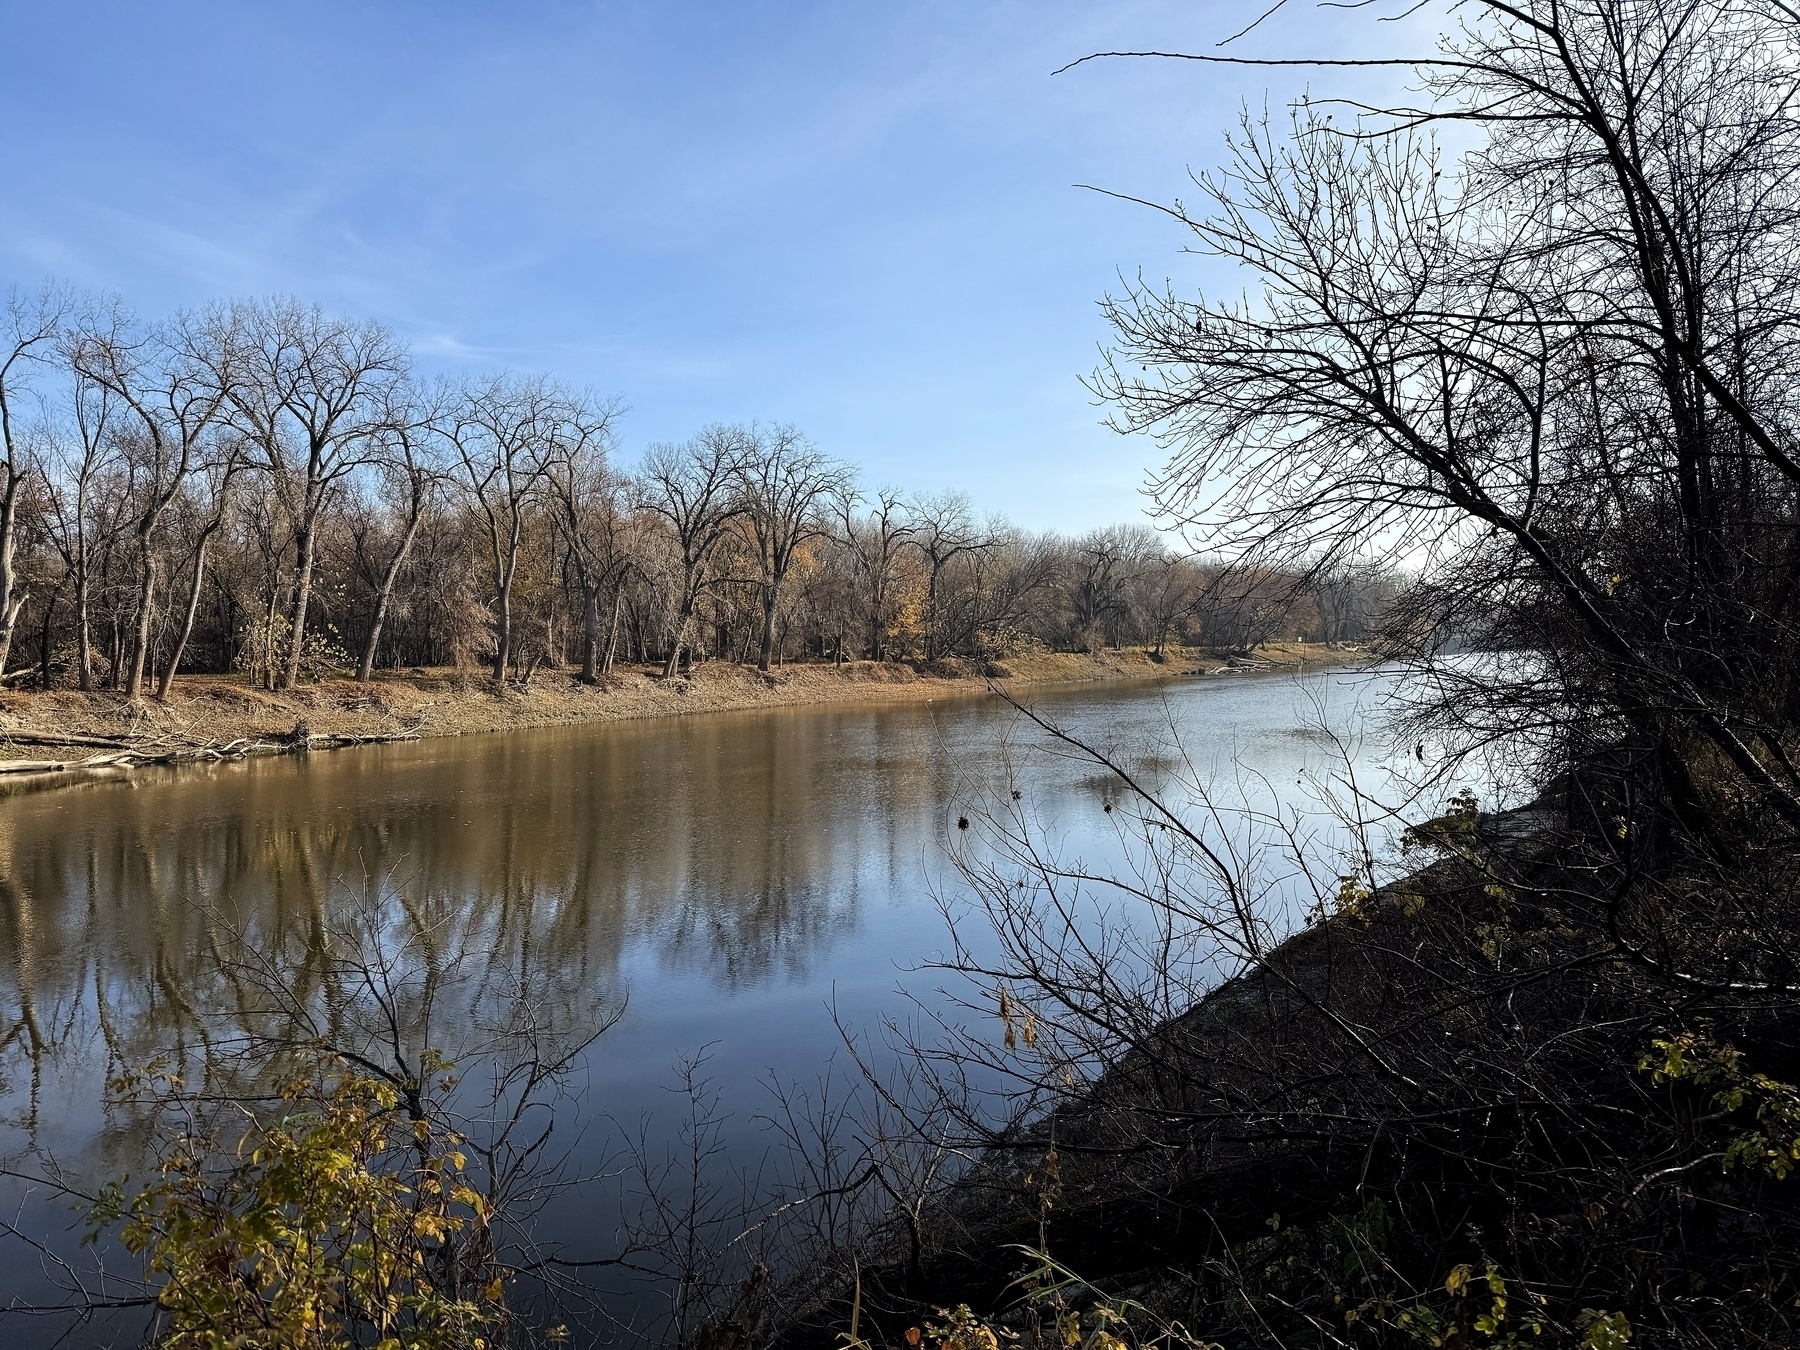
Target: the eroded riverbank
(48, 737)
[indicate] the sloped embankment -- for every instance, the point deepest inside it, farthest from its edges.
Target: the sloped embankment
(45, 736)
(1448, 1073)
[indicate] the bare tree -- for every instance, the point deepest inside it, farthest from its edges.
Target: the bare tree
(783, 482)
(310, 392)
(1106, 563)
(1172, 589)
(943, 530)
(507, 433)
(84, 507)
(225, 460)
(32, 323)
(587, 496)
(1558, 373)
(877, 541)
(164, 377)
(1351, 596)
(694, 487)
(413, 474)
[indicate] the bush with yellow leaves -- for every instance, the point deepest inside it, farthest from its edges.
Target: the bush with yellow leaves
(1485, 1310)
(1761, 1116)
(341, 1220)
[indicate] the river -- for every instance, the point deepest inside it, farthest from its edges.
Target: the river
(719, 882)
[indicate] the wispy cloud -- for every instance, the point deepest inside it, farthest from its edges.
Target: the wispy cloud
(857, 218)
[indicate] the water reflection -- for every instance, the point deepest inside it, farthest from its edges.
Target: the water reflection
(730, 873)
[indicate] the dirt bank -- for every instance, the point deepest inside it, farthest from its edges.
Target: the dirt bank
(60, 733)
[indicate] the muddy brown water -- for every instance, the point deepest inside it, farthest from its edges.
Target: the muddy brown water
(728, 879)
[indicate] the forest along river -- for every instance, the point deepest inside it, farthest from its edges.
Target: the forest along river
(726, 876)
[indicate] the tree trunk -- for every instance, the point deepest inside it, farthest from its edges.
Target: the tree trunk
(193, 608)
(84, 640)
(768, 627)
(306, 540)
(931, 625)
(503, 633)
(612, 636)
(268, 662)
(140, 646)
(44, 636)
(365, 669)
(681, 626)
(590, 633)
(227, 615)
(12, 598)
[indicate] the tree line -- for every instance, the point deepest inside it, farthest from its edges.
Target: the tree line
(259, 486)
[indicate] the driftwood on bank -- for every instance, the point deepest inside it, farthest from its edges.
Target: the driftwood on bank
(70, 738)
(325, 741)
(130, 753)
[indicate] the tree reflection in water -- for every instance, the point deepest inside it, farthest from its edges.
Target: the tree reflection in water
(735, 871)
(523, 863)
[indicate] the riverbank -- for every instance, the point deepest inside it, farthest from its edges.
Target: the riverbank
(47, 735)
(1460, 1071)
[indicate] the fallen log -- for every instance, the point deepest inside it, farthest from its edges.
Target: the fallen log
(325, 741)
(241, 748)
(121, 760)
(32, 766)
(122, 754)
(68, 738)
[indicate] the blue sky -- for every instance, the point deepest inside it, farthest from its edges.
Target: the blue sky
(859, 218)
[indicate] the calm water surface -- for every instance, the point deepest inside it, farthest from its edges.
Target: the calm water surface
(725, 877)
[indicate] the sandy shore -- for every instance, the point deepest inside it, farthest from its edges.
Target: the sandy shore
(65, 732)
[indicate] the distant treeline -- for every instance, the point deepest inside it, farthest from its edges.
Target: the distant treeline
(261, 487)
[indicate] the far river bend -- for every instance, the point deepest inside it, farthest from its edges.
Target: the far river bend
(728, 876)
